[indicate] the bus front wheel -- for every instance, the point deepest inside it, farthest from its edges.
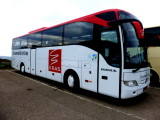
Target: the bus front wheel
(154, 79)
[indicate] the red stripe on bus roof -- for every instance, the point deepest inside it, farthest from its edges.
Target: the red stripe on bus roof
(88, 18)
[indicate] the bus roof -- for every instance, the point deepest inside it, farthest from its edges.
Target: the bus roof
(88, 18)
(91, 18)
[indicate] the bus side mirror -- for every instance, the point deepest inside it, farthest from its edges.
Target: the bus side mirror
(139, 29)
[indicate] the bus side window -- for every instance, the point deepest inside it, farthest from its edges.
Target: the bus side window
(77, 33)
(16, 43)
(152, 40)
(110, 49)
(110, 36)
(52, 37)
(34, 40)
(157, 41)
(24, 43)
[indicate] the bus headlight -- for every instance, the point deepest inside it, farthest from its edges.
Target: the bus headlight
(131, 83)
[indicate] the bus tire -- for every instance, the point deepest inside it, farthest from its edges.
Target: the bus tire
(154, 79)
(22, 68)
(71, 80)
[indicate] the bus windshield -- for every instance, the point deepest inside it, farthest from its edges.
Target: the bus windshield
(134, 50)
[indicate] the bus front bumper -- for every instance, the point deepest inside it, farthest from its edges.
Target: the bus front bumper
(130, 92)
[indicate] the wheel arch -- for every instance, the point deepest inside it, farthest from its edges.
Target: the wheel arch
(70, 71)
(22, 64)
(153, 71)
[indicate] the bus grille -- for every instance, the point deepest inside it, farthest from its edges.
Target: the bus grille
(143, 82)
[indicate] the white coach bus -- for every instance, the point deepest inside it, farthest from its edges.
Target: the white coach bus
(102, 52)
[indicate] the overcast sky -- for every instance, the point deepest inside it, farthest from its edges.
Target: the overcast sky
(18, 17)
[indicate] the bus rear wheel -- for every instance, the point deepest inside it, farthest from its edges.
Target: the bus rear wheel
(22, 68)
(71, 81)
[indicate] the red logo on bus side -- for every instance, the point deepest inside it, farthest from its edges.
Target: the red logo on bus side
(54, 63)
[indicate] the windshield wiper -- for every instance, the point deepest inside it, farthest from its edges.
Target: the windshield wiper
(136, 70)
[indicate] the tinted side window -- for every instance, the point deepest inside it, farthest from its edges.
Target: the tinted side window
(16, 43)
(34, 40)
(77, 33)
(52, 37)
(108, 16)
(152, 40)
(24, 43)
(110, 47)
(110, 36)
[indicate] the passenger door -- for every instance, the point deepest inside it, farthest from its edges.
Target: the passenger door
(33, 61)
(109, 62)
(108, 79)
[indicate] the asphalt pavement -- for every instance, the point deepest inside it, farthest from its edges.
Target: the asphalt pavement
(27, 97)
